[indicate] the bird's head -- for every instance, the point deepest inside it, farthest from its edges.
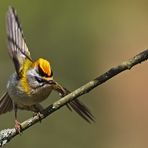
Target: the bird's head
(40, 73)
(43, 68)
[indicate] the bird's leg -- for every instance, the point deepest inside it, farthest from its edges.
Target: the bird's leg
(39, 115)
(17, 123)
(37, 111)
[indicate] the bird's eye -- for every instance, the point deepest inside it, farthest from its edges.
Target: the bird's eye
(39, 79)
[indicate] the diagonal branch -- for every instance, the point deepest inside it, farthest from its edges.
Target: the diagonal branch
(7, 134)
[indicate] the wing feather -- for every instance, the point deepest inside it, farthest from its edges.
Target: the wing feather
(17, 47)
(6, 103)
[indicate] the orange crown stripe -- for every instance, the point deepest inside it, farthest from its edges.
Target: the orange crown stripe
(44, 65)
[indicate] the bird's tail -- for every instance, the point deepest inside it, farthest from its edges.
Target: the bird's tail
(75, 104)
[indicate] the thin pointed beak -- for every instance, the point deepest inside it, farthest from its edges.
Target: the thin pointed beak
(51, 82)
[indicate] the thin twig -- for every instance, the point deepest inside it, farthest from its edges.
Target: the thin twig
(7, 134)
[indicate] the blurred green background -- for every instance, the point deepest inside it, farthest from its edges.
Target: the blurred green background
(83, 39)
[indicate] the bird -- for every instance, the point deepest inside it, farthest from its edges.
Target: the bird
(32, 82)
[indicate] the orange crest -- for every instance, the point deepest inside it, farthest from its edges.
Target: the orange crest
(44, 65)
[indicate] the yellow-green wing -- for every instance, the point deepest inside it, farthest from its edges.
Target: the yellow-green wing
(17, 47)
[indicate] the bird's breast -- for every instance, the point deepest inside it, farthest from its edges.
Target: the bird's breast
(27, 96)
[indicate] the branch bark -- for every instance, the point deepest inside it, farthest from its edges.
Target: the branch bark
(7, 134)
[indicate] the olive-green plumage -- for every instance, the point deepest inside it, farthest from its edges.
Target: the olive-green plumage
(33, 80)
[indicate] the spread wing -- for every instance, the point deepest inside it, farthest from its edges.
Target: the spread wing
(6, 103)
(17, 47)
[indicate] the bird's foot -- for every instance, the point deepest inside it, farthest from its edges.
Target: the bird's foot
(18, 126)
(39, 115)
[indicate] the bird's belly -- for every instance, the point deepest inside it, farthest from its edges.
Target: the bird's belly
(33, 97)
(36, 97)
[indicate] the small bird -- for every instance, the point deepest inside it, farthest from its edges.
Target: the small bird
(32, 81)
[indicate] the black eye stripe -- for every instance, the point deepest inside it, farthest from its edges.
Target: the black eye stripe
(41, 72)
(51, 74)
(39, 79)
